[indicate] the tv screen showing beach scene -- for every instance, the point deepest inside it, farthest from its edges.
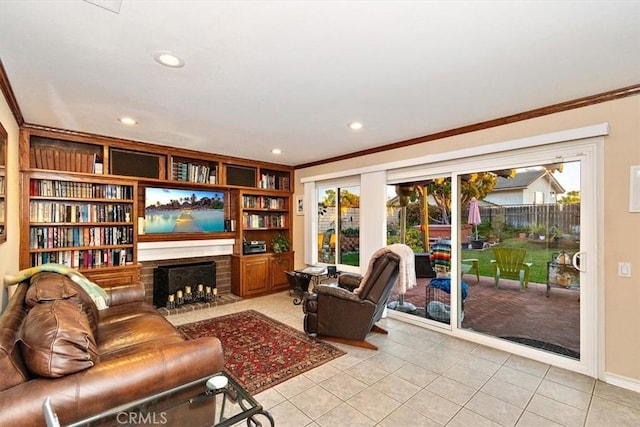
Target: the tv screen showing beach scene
(170, 210)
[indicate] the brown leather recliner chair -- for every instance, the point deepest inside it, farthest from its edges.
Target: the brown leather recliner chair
(334, 312)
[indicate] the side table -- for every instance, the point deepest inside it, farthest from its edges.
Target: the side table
(232, 405)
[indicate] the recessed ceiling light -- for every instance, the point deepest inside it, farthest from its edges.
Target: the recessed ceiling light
(276, 151)
(128, 121)
(168, 59)
(355, 125)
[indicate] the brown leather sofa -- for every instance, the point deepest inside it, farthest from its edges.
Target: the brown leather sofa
(338, 312)
(54, 342)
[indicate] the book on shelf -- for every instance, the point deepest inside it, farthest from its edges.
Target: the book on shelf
(54, 158)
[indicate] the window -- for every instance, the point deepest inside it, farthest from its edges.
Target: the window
(339, 225)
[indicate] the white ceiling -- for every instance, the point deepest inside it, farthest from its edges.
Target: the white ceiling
(293, 74)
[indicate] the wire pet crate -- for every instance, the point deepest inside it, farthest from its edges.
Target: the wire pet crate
(438, 305)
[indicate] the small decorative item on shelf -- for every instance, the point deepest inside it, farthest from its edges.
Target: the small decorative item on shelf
(280, 244)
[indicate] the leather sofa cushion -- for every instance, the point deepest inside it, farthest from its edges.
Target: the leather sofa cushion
(56, 339)
(12, 368)
(49, 286)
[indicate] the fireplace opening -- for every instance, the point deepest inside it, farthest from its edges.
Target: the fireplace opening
(175, 285)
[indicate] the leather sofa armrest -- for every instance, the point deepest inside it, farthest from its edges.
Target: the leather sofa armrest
(112, 383)
(122, 294)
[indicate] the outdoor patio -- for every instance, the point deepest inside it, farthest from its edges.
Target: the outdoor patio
(551, 323)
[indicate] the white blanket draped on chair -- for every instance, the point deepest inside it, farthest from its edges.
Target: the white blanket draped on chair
(406, 278)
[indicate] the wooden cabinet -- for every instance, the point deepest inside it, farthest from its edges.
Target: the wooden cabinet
(262, 215)
(85, 223)
(259, 274)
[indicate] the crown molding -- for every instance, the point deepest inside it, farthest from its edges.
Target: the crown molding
(538, 112)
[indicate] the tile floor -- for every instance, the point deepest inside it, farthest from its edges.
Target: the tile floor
(420, 377)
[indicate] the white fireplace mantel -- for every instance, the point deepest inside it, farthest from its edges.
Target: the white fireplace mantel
(152, 251)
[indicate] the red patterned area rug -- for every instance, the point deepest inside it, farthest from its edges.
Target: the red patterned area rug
(261, 352)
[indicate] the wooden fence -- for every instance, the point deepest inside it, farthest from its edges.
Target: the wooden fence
(562, 218)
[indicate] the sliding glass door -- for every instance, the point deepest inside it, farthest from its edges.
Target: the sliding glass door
(520, 236)
(507, 250)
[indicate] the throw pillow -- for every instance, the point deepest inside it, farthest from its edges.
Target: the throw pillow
(56, 339)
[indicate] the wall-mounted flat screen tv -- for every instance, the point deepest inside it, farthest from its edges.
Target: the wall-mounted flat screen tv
(171, 210)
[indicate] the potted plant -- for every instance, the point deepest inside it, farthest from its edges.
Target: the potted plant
(280, 244)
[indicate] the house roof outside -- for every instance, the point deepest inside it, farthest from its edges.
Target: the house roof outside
(524, 179)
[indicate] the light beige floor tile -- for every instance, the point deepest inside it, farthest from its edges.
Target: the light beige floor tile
(345, 415)
(556, 411)
(564, 394)
(373, 404)
(343, 386)
(294, 386)
(466, 418)
(396, 388)
(405, 416)
(287, 415)
(529, 419)
(494, 409)
(416, 375)
(529, 366)
(617, 394)
(438, 363)
(269, 398)
(386, 361)
(451, 390)
(571, 379)
(465, 375)
(519, 378)
(479, 364)
(315, 402)
(517, 396)
(604, 413)
(433, 406)
(344, 362)
(366, 372)
(491, 354)
(322, 373)
(460, 345)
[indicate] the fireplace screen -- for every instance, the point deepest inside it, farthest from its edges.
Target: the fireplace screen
(184, 283)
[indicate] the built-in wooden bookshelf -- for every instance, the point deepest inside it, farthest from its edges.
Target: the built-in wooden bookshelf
(62, 170)
(84, 223)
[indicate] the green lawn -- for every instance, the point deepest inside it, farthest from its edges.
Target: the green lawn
(538, 253)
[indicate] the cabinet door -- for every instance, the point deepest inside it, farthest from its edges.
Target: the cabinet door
(280, 264)
(256, 275)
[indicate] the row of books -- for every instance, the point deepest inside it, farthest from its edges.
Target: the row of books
(264, 202)
(274, 182)
(2, 185)
(65, 237)
(191, 172)
(263, 220)
(46, 211)
(84, 190)
(84, 259)
(56, 158)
